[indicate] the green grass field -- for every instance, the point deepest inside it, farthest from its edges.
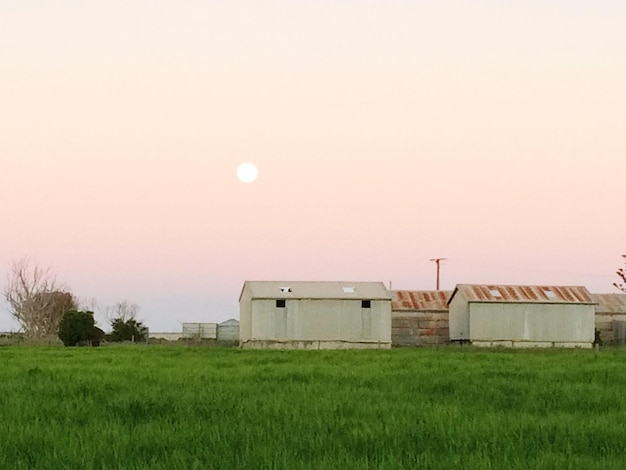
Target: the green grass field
(184, 408)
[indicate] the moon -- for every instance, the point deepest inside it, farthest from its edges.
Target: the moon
(247, 172)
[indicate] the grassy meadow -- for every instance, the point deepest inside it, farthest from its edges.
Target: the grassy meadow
(183, 408)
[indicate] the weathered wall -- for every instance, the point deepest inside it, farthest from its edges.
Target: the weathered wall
(459, 318)
(228, 332)
(532, 344)
(549, 323)
(200, 330)
(294, 344)
(607, 326)
(421, 328)
(245, 319)
(325, 322)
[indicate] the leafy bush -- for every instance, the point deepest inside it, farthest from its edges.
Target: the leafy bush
(97, 335)
(128, 330)
(76, 327)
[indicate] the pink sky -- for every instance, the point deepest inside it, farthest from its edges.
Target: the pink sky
(385, 133)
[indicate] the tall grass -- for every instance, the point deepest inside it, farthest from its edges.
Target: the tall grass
(174, 407)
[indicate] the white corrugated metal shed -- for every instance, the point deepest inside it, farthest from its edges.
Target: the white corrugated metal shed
(228, 330)
(522, 316)
(315, 315)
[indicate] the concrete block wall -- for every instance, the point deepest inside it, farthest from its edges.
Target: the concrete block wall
(608, 326)
(312, 344)
(419, 328)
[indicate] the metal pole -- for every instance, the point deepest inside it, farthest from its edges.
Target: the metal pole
(437, 262)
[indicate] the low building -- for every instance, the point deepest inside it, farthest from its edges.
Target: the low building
(200, 331)
(315, 315)
(419, 318)
(228, 330)
(165, 336)
(522, 316)
(610, 320)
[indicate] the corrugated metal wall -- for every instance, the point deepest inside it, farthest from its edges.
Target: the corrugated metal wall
(336, 323)
(532, 323)
(200, 330)
(228, 331)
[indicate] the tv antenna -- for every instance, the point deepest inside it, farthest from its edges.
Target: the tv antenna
(438, 262)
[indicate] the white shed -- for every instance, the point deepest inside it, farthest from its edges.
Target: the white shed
(228, 330)
(522, 316)
(314, 315)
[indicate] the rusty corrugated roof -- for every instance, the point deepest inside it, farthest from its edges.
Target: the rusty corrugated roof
(420, 300)
(535, 294)
(610, 304)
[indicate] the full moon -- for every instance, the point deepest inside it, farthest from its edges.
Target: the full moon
(247, 172)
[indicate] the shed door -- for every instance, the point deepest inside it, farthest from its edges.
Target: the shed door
(366, 323)
(280, 322)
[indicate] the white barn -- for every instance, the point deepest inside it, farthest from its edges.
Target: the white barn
(522, 316)
(314, 315)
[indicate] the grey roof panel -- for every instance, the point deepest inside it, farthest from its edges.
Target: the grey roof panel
(316, 290)
(610, 304)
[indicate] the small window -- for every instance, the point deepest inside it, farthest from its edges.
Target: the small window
(285, 289)
(495, 292)
(348, 290)
(366, 304)
(549, 294)
(280, 303)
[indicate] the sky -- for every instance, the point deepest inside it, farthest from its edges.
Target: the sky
(385, 132)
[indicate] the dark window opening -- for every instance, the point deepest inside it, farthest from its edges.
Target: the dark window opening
(280, 303)
(366, 304)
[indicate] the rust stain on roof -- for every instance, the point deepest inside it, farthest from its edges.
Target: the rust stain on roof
(420, 300)
(537, 294)
(610, 304)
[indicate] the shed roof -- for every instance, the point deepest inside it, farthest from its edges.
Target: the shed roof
(523, 294)
(315, 290)
(610, 303)
(420, 300)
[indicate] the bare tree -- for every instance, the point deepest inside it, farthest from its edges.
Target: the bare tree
(122, 310)
(35, 299)
(91, 304)
(124, 324)
(58, 302)
(621, 272)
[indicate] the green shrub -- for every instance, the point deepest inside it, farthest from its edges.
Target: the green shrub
(129, 330)
(76, 327)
